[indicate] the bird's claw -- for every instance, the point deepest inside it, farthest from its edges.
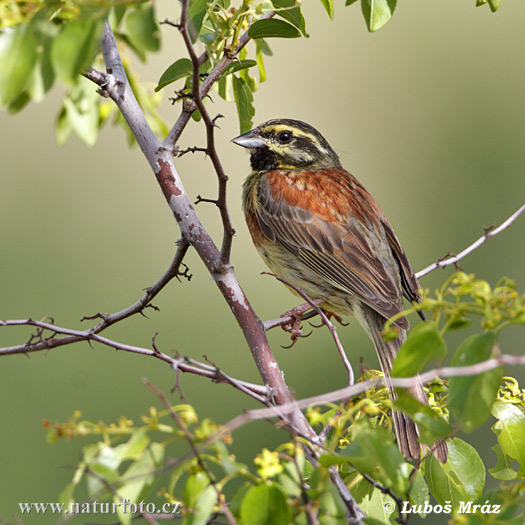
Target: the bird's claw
(293, 327)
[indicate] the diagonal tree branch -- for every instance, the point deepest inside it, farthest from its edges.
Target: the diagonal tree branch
(489, 232)
(182, 364)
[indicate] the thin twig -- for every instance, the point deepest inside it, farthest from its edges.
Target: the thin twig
(189, 439)
(228, 231)
(490, 232)
(326, 321)
(402, 518)
(151, 292)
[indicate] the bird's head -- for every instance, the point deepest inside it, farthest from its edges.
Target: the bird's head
(287, 144)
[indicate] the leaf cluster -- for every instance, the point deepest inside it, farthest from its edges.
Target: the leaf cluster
(45, 41)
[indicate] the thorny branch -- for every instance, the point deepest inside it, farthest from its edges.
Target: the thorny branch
(229, 232)
(489, 232)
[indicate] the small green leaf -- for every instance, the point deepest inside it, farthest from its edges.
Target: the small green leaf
(494, 5)
(244, 101)
(377, 12)
(273, 28)
(430, 425)
(350, 2)
(290, 10)
(461, 478)
(81, 105)
(142, 28)
(135, 447)
(18, 57)
(264, 505)
(503, 469)
(203, 508)
(471, 397)
(179, 69)
(224, 86)
(19, 103)
(329, 6)
(424, 342)
(62, 132)
(74, 48)
(510, 430)
(260, 61)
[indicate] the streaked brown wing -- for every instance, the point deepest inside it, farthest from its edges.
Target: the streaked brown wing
(408, 279)
(336, 251)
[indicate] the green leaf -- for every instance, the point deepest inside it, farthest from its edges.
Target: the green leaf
(142, 28)
(424, 342)
(81, 107)
(430, 425)
(265, 505)
(135, 447)
(138, 479)
(494, 5)
(377, 12)
(350, 2)
(43, 76)
(419, 494)
(179, 69)
(62, 132)
(291, 12)
(196, 13)
(461, 478)
(19, 103)
(372, 452)
(244, 101)
(471, 397)
(329, 6)
(74, 48)
(18, 57)
(238, 65)
(273, 28)
(203, 508)
(503, 469)
(375, 504)
(260, 61)
(510, 429)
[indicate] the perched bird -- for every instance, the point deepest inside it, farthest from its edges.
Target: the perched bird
(317, 227)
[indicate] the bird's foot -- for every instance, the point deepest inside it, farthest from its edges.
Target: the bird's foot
(293, 325)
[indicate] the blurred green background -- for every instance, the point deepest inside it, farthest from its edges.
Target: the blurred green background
(429, 113)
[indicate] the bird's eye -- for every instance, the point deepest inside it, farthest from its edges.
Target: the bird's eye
(284, 137)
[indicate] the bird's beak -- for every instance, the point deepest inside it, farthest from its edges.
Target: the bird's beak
(249, 140)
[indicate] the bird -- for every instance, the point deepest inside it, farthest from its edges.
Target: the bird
(316, 226)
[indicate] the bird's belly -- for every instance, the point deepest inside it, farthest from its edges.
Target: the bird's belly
(291, 269)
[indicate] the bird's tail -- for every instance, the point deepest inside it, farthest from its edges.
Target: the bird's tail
(406, 430)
